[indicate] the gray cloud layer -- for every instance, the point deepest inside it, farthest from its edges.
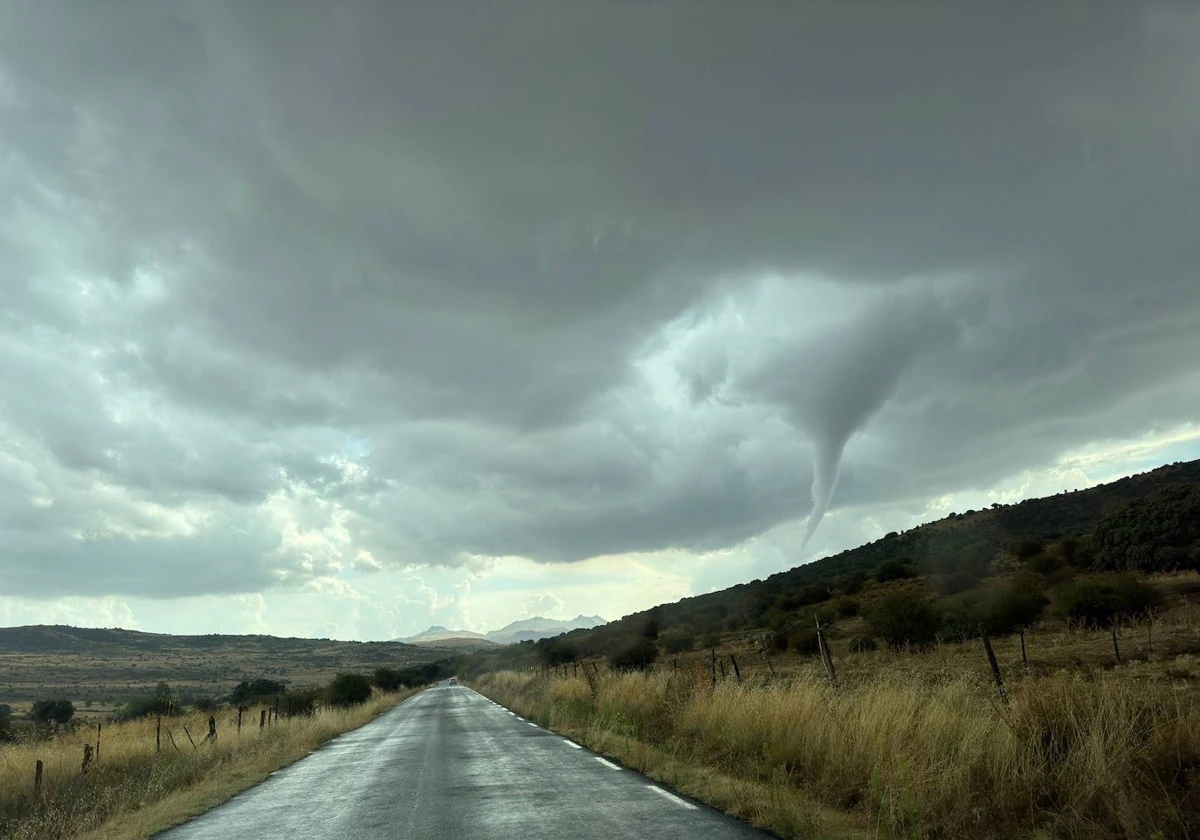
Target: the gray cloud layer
(292, 287)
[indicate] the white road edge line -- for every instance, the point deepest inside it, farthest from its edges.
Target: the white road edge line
(672, 797)
(572, 744)
(607, 763)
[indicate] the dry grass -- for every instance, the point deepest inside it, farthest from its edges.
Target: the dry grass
(912, 752)
(133, 792)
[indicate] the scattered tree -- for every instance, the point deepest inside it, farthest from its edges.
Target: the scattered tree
(56, 712)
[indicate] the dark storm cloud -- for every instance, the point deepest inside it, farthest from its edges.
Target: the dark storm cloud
(420, 280)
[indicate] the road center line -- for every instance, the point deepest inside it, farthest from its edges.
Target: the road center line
(672, 797)
(607, 763)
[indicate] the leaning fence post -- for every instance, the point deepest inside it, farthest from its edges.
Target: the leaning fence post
(158, 735)
(987, 646)
(1024, 658)
(189, 734)
(37, 777)
(737, 672)
(721, 662)
(1116, 650)
(98, 725)
(714, 668)
(826, 658)
(262, 719)
(87, 759)
(277, 708)
(239, 723)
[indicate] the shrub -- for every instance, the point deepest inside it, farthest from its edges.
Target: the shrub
(678, 639)
(6, 730)
(804, 642)
(863, 644)
(349, 690)
(1104, 601)
(248, 691)
(1028, 548)
(1008, 606)
(957, 582)
(902, 620)
(204, 703)
(635, 655)
(846, 607)
(853, 583)
(894, 570)
(387, 679)
(161, 702)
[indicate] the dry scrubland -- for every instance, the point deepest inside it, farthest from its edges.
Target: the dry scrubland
(107, 668)
(911, 745)
(132, 791)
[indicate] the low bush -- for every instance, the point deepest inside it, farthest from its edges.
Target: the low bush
(1105, 600)
(894, 570)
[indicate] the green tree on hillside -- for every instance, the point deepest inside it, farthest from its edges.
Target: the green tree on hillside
(1158, 533)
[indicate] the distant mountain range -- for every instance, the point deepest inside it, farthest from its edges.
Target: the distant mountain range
(527, 629)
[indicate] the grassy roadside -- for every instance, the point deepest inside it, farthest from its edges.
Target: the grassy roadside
(900, 754)
(133, 792)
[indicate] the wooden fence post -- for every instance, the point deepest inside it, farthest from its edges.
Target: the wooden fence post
(826, 658)
(987, 646)
(98, 725)
(87, 759)
(722, 664)
(262, 719)
(1024, 658)
(172, 739)
(714, 668)
(189, 734)
(737, 672)
(158, 735)
(37, 777)
(277, 708)
(239, 723)
(1116, 649)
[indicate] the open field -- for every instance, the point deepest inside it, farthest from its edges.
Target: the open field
(134, 790)
(99, 670)
(911, 744)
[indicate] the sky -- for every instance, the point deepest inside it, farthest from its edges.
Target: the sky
(343, 320)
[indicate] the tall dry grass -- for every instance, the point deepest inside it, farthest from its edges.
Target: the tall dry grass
(1074, 756)
(134, 791)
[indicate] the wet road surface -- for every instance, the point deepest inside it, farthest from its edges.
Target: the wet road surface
(448, 764)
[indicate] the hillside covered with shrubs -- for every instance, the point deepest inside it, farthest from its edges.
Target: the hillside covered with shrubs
(1075, 556)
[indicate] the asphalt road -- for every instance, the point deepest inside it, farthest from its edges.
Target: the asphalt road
(448, 764)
